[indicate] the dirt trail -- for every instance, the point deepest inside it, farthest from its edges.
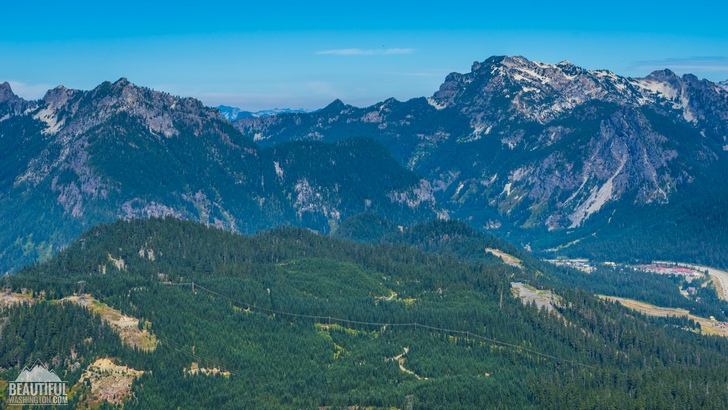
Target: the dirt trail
(400, 360)
(390, 297)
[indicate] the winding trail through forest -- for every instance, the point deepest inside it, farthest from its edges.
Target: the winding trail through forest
(400, 360)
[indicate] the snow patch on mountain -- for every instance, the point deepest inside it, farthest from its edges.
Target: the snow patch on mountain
(279, 170)
(434, 103)
(658, 87)
(667, 86)
(50, 118)
(596, 199)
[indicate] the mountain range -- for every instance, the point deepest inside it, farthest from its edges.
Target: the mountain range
(78, 158)
(554, 157)
(235, 113)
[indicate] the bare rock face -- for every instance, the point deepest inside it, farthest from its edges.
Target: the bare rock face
(6, 93)
(69, 116)
(79, 111)
(11, 104)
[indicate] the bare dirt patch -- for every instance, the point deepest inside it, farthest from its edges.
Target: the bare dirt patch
(393, 296)
(126, 326)
(196, 369)
(506, 258)
(7, 300)
(120, 264)
(542, 298)
(109, 382)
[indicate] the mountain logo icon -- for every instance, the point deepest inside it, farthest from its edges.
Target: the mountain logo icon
(37, 386)
(38, 374)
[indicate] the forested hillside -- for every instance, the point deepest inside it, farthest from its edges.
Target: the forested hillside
(294, 319)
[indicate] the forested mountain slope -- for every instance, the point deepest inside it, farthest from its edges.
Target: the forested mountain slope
(301, 320)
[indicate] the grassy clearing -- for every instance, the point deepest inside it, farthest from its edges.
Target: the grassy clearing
(506, 258)
(709, 327)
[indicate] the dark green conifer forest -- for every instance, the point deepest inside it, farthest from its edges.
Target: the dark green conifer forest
(421, 316)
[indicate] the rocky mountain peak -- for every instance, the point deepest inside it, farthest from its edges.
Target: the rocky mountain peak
(723, 85)
(335, 107)
(10, 103)
(58, 97)
(6, 92)
(122, 82)
(492, 61)
(68, 111)
(664, 76)
(501, 87)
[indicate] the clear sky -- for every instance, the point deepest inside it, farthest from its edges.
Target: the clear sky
(305, 54)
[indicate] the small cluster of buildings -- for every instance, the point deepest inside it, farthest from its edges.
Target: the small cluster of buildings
(581, 264)
(666, 268)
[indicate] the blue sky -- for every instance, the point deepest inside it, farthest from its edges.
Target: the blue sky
(304, 55)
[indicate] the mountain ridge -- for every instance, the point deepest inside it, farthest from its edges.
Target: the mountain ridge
(541, 147)
(77, 158)
(540, 153)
